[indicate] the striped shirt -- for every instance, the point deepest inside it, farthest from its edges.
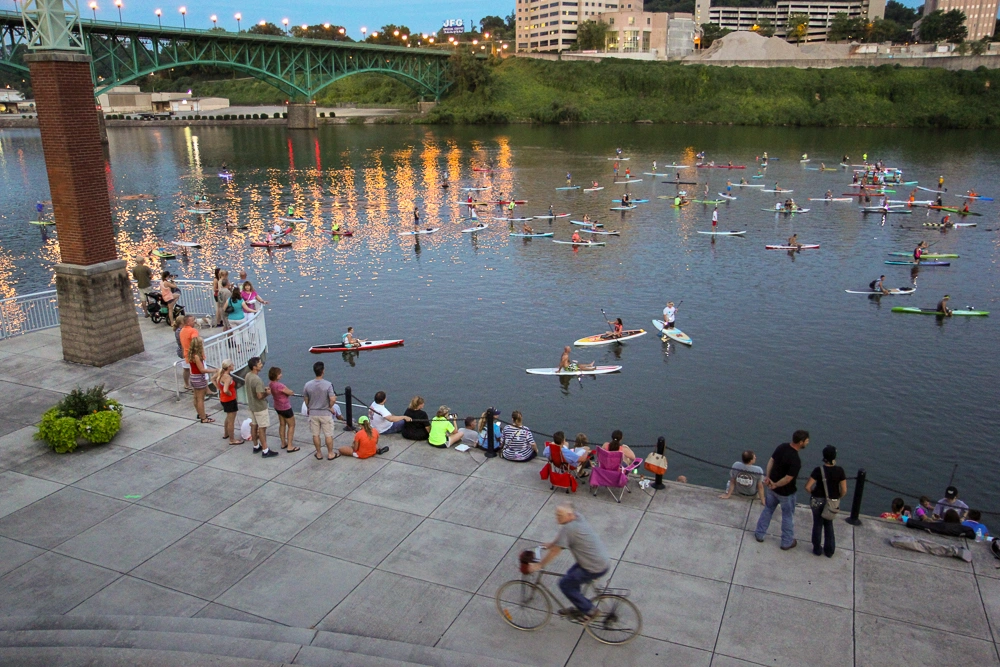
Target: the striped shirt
(518, 443)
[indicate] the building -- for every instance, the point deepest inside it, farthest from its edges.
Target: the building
(546, 26)
(198, 104)
(130, 99)
(820, 15)
(980, 15)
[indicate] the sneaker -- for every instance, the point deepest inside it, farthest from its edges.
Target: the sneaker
(568, 611)
(269, 453)
(794, 544)
(759, 539)
(257, 449)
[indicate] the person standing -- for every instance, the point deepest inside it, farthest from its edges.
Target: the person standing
(779, 489)
(227, 396)
(144, 281)
(827, 482)
(281, 394)
(715, 219)
(225, 294)
(257, 402)
(669, 315)
(187, 333)
(198, 376)
(319, 396)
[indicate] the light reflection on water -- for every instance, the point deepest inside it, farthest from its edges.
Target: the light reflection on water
(778, 345)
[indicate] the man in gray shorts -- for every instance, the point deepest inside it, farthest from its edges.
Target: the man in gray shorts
(320, 397)
(591, 557)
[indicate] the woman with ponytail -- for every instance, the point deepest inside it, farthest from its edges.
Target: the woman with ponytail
(616, 444)
(365, 441)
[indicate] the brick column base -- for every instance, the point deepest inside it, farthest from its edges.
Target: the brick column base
(97, 315)
(302, 116)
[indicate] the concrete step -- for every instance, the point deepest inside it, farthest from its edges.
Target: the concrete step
(58, 656)
(269, 644)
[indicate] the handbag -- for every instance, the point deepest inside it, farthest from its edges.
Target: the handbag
(656, 463)
(832, 506)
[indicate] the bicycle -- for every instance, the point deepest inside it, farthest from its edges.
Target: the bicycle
(527, 605)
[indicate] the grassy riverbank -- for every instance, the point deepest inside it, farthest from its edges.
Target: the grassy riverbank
(360, 88)
(521, 89)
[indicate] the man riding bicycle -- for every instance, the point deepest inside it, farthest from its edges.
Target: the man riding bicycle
(591, 558)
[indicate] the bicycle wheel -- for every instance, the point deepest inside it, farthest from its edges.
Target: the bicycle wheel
(618, 620)
(524, 604)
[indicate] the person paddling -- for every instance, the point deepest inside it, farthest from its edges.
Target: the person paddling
(617, 328)
(943, 308)
(793, 242)
(879, 286)
(669, 315)
(416, 216)
(829, 194)
(918, 252)
(715, 219)
(526, 229)
(576, 237)
(349, 340)
(565, 364)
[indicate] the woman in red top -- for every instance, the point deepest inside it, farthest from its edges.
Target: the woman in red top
(365, 441)
(227, 395)
(199, 380)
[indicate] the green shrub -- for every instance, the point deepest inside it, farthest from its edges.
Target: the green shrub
(100, 427)
(197, 116)
(277, 115)
(284, 115)
(322, 114)
(83, 414)
(80, 403)
(59, 433)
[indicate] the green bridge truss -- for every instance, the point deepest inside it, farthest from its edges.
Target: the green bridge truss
(124, 52)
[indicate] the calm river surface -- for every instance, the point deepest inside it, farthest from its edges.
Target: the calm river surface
(778, 345)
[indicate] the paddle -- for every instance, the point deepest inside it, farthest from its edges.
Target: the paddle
(607, 320)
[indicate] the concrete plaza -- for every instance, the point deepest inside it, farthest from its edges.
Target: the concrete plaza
(168, 546)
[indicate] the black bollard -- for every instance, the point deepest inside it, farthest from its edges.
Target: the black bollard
(348, 409)
(491, 451)
(859, 492)
(661, 447)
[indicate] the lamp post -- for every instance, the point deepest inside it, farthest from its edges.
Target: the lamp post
(284, 22)
(118, 4)
(238, 17)
(184, 11)
(93, 8)
(215, 21)
(364, 32)
(159, 21)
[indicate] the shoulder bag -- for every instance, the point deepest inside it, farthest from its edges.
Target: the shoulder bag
(832, 506)
(656, 463)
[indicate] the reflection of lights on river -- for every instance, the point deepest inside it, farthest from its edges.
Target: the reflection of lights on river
(193, 151)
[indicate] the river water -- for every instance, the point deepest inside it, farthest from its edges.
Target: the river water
(778, 344)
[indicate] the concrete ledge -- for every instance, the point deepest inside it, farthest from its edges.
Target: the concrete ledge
(57, 56)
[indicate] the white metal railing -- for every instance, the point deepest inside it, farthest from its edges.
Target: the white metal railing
(27, 313)
(196, 297)
(249, 339)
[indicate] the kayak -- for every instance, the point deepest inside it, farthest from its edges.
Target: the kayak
(804, 246)
(634, 201)
(199, 211)
(344, 232)
(927, 256)
(569, 187)
(892, 292)
(599, 370)
(683, 203)
(621, 208)
(531, 236)
(42, 223)
(365, 345)
(475, 229)
(709, 201)
(593, 189)
(970, 213)
(580, 243)
(586, 223)
(976, 197)
(921, 263)
(163, 254)
(186, 244)
(724, 233)
(947, 209)
(518, 202)
(608, 338)
(674, 333)
(597, 231)
(880, 209)
(729, 197)
(484, 169)
(264, 244)
(488, 187)
(954, 224)
(550, 217)
(831, 199)
(429, 230)
(933, 311)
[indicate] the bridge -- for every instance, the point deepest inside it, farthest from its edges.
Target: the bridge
(126, 52)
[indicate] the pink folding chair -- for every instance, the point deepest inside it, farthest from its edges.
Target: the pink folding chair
(611, 474)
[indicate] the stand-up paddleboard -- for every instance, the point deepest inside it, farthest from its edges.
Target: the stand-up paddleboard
(725, 233)
(976, 197)
(477, 228)
(926, 255)
(488, 187)
(225, 175)
(265, 244)
(830, 199)
(199, 211)
(598, 231)
(629, 180)
(622, 208)
(620, 159)
(921, 263)
(580, 243)
(748, 185)
(186, 244)
(935, 311)
(42, 223)
(163, 254)
(672, 333)
(531, 236)
(634, 201)
(900, 291)
(721, 166)
(569, 187)
(512, 219)
(954, 224)
(806, 160)
(608, 338)
(786, 211)
(680, 182)
(429, 230)
(365, 345)
(920, 187)
(765, 190)
(710, 202)
(729, 197)
(592, 223)
(600, 370)
(882, 209)
(551, 217)
(600, 187)
(804, 246)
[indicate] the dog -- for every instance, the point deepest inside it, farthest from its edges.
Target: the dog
(203, 322)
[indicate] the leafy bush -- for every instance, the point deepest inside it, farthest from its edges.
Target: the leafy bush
(277, 115)
(60, 433)
(100, 427)
(84, 414)
(80, 403)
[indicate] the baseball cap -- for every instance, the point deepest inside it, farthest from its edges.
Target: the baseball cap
(363, 419)
(951, 492)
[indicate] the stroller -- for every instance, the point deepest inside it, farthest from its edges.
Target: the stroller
(157, 308)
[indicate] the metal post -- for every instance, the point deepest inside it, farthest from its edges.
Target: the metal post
(348, 409)
(859, 492)
(661, 447)
(490, 442)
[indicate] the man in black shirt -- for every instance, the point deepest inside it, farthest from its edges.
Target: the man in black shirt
(779, 489)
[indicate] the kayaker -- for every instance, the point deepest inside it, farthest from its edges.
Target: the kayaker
(965, 209)
(730, 164)
(510, 208)
(594, 184)
(918, 252)
(913, 198)
(654, 165)
(335, 226)
(565, 364)
(743, 180)
(526, 229)
(617, 328)
(715, 219)
(939, 202)
(855, 178)
(972, 193)
(946, 222)
(805, 156)
(349, 340)
(793, 242)
(669, 315)
(276, 230)
(677, 201)
(943, 308)
(576, 237)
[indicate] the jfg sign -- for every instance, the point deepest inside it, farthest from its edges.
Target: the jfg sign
(453, 27)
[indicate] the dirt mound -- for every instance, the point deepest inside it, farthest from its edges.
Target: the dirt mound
(746, 45)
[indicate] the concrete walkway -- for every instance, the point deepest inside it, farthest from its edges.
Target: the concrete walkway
(169, 520)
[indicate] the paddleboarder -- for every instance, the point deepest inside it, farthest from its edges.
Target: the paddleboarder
(793, 242)
(416, 216)
(942, 306)
(715, 219)
(878, 286)
(940, 181)
(918, 252)
(40, 207)
(569, 178)
(551, 214)
(349, 340)
(576, 237)
(669, 315)
(565, 364)
(526, 229)
(829, 194)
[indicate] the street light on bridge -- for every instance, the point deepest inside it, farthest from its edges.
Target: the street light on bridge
(215, 20)
(93, 8)
(364, 31)
(184, 11)
(238, 17)
(284, 22)
(159, 21)
(118, 4)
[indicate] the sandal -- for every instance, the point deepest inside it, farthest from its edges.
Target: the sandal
(319, 457)
(207, 420)
(335, 456)
(294, 449)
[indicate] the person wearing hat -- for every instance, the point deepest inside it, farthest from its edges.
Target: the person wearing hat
(943, 308)
(444, 429)
(827, 482)
(950, 502)
(365, 443)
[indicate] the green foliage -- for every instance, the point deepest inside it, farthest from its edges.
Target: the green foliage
(62, 432)
(980, 46)
(711, 32)
(765, 28)
(901, 14)
(797, 27)
(328, 31)
(266, 29)
(499, 28)
(941, 26)
(844, 27)
(100, 427)
(59, 433)
(686, 6)
(591, 36)
(389, 34)
(469, 72)
(79, 403)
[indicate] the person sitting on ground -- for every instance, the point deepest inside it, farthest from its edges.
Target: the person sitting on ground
(897, 511)
(570, 456)
(518, 442)
(925, 508)
(745, 478)
(950, 501)
(974, 521)
(615, 444)
(906, 514)
(420, 424)
(470, 434)
(365, 443)
(382, 420)
(444, 429)
(497, 433)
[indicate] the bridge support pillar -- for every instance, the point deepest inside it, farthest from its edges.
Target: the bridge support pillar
(302, 116)
(96, 308)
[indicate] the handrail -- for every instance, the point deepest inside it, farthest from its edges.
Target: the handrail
(239, 344)
(29, 312)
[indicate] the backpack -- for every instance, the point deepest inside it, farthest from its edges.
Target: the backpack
(871, 285)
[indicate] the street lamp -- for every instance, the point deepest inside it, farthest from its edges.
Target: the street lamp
(327, 25)
(93, 8)
(342, 31)
(184, 11)
(118, 4)
(364, 31)
(159, 21)
(395, 33)
(284, 22)
(215, 21)
(238, 17)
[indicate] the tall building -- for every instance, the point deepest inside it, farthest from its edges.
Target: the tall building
(980, 15)
(820, 14)
(550, 26)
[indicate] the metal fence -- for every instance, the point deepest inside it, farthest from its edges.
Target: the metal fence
(238, 344)
(197, 297)
(31, 312)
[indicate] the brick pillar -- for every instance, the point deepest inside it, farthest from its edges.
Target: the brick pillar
(97, 313)
(302, 116)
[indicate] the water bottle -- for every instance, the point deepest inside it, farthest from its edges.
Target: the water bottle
(979, 534)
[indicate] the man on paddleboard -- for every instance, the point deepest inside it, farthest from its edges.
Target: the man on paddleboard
(715, 219)
(576, 237)
(669, 315)
(793, 242)
(878, 285)
(942, 306)
(566, 365)
(526, 229)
